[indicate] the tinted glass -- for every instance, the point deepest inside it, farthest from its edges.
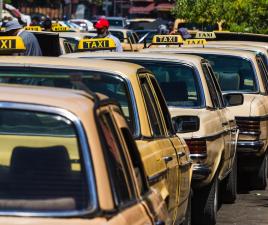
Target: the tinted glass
(103, 83)
(233, 73)
(153, 112)
(178, 83)
(41, 168)
(116, 23)
(116, 160)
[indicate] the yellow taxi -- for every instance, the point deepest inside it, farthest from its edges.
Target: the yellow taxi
(242, 72)
(201, 117)
(144, 107)
(70, 160)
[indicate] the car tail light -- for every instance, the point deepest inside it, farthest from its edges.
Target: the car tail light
(197, 146)
(248, 126)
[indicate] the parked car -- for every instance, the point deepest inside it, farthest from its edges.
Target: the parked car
(201, 117)
(242, 72)
(165, 156)
(70, 160)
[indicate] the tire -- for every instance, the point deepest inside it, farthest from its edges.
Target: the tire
(205, 204)
(259, 177)
(229, 185)
(188, 216)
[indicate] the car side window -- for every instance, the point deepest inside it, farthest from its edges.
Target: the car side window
(130, 37)
(216, 85)
(263, 73)
(211, 87)
(153, 112)
(163, 106)
(116, 160)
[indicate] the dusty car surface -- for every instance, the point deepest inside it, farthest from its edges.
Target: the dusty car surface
(242, 72)
(201, 117)
(70, 160)
(162, 152)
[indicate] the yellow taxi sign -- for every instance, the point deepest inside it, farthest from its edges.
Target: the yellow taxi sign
(60, 28)
(195, 42)
(205, 35)
(33, 28)
(167, 40)
(11, 44)
(96, 44)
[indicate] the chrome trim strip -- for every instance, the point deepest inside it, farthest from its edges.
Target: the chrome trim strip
(84, 150)
(254, 133)
(249, 146)
(157, 177)
(200, 172)
(201, 155)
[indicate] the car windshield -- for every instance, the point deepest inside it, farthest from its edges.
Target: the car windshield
(178, 82)
(116, 23)
(104, 83)
(41, 166)
(233, 73)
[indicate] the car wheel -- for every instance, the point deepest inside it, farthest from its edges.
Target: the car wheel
(229, 185)
(259, 177)
(205, 204)
(188, 216)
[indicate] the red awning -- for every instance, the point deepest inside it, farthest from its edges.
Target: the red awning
(142, 10)
(164, 7)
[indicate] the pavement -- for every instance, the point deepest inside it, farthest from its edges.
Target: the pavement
(250, 208)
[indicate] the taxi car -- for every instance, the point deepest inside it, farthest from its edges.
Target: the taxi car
(128, 38)
(163, 153)
(70, 160)
(242, 72)
(198, 109)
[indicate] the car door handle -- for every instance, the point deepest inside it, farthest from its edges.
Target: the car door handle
(225, 124)
(159, 222)
(180, 154)
(167, 158)
(186, 164)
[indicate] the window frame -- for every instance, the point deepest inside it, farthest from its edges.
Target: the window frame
(263, 73)
(84, 151)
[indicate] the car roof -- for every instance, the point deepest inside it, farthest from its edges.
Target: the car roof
(120, 68)
(241, 53)
(75, 35)
(247, 43)
(68, 99)
(181, 57)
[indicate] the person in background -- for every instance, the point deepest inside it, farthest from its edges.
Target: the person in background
(13, 28)
(47, 24)
(102, 27)
(183, 31)
(162, 29)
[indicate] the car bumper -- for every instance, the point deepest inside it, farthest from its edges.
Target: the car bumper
(249, 146)
(200, 172)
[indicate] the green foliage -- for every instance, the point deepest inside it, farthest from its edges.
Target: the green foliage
(238, 15)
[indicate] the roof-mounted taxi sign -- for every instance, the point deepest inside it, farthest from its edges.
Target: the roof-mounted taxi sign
(195, 42)
(11, 44)
(96, 44)
(167, 40)
(205, 35)
(59, 28)
(33, 28)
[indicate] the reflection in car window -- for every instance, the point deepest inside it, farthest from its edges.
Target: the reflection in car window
(103, 83)
(178, 82)
(118, 34)
(233, 73)
(41, 166)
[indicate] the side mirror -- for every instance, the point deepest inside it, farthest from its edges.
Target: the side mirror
(233, 99)
(185, 124)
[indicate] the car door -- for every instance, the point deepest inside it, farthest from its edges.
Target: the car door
(221, 113)
(152, 200)
(128, 210)
(185, 163)
(161, 141)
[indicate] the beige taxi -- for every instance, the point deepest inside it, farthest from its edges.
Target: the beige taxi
(165, 156)
(68, 157)
(198, 110)
(242, 72)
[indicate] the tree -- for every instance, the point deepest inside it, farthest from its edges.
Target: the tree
(238, 15)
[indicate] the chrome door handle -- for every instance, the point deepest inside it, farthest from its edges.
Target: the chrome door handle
(180, 154)
(225, 124)
(167, 158)
(186, 164)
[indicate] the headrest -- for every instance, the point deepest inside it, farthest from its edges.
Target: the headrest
(229, 81)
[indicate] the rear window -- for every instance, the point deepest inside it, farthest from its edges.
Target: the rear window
(178, 83)
(41, 166)
(103, 83)
(233, 73)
